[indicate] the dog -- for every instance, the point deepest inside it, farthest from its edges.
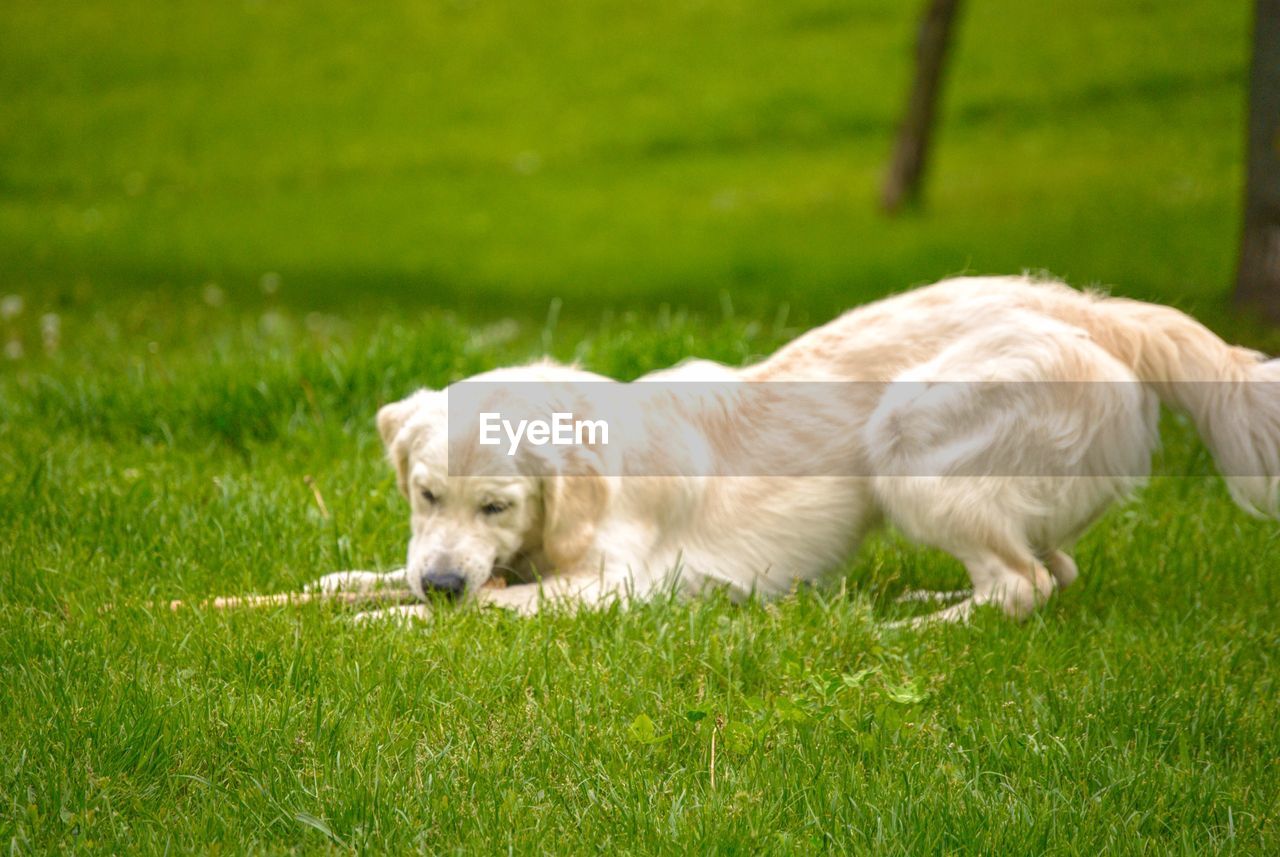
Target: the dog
(994, 418)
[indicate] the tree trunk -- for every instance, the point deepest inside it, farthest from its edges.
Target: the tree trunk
(1258, 279)
(910, 153)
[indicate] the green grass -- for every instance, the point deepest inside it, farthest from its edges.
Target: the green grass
(1137, 713)
(425, 179)
(609, 153)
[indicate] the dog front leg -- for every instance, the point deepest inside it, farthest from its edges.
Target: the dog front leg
(569, 593)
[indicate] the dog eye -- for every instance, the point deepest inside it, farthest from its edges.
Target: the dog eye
(429, 497)
(494, 508)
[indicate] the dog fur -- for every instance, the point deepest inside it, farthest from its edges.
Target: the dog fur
(919, 456)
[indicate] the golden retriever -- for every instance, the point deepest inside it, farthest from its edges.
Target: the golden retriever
(994, 418)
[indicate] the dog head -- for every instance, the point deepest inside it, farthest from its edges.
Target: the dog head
(491, 510)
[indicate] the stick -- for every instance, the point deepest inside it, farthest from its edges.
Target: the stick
(229, 602)
(383, 597)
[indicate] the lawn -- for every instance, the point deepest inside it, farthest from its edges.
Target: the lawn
(228, 234)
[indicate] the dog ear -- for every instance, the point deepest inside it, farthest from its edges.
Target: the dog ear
(392, 420)
(572, 507)
(392, 417)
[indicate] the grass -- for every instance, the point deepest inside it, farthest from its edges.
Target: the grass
(236, 231)
(610, 153)
(1137, 713)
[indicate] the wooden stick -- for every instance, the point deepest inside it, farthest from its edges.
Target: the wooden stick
(378, 597)
(230, 602)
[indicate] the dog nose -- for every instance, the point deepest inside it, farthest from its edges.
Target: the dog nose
(447, 583)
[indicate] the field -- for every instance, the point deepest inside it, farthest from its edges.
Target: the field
(228, 234)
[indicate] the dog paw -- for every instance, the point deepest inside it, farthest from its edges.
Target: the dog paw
(1063, 568)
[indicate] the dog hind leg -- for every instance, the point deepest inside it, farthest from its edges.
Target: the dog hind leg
(1016, 588)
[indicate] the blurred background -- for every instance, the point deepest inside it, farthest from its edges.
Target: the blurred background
(615, 154)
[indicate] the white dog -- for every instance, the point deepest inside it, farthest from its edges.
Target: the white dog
(994, 418)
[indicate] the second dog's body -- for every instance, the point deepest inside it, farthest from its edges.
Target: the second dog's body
(994, 418)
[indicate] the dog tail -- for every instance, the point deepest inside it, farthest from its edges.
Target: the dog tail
(1232, 394)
